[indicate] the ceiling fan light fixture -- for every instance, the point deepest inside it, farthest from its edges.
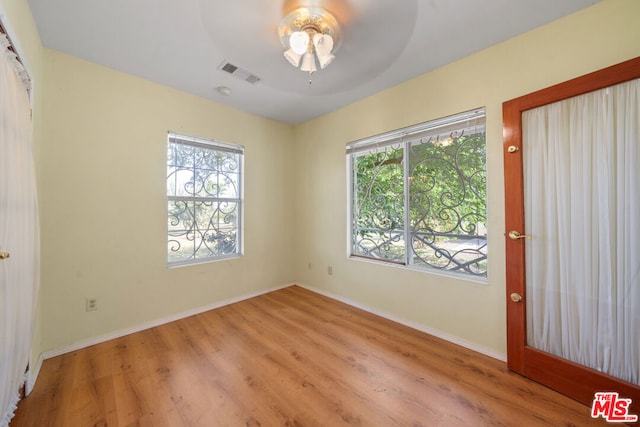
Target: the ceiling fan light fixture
(309, 34)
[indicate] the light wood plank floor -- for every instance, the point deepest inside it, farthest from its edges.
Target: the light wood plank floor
(288, 358)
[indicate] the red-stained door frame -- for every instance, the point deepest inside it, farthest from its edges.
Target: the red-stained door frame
(564, 376)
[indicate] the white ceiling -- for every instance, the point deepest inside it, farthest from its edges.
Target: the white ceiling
(181, 43)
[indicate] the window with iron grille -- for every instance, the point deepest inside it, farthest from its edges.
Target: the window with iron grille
(418, 195)
(204, 196)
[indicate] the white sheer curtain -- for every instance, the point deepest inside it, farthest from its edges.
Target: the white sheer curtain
(582, 204)
(19, 274)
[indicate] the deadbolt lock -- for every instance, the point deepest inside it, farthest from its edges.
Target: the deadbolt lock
(513, 149)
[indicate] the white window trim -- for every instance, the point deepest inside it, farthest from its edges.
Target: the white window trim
(463, 121)
(221, 146)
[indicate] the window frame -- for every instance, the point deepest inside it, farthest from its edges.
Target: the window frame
(404, 138)
(216, 146)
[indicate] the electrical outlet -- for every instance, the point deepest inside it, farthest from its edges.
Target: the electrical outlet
(330, 270)
(92, 303)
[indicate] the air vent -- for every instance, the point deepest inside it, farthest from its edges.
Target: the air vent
(238, 72)
(229, 68)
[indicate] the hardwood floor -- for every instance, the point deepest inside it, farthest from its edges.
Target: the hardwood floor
(294, 358)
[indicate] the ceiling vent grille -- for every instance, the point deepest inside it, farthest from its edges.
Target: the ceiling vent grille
(238, 72)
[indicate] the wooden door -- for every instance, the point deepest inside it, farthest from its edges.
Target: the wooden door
(562, 375)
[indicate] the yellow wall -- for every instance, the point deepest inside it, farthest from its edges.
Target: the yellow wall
(599, 36)
(100, 154)
(103, 202)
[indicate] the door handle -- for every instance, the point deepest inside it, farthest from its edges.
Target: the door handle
(515, 235)
(516, 297)
(4, 255)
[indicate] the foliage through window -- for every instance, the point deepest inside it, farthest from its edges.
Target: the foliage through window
(418, 195)
(204, 192)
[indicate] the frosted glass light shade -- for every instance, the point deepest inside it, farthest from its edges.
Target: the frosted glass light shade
(308, 62)
(323, 43)
(325, 60)
(292, 57)
(299, 41)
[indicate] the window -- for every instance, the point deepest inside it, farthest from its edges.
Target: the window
(418, 195)
(204, 195)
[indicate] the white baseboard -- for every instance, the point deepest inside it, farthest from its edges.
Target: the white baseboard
(147, 325)
(32, 375)
(414, 325)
